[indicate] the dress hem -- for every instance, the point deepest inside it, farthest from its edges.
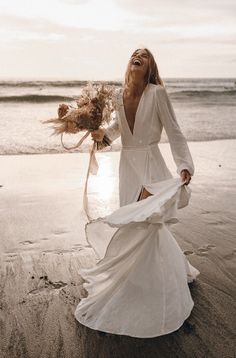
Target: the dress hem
(137, 336)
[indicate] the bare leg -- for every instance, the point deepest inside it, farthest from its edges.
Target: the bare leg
(144, 194)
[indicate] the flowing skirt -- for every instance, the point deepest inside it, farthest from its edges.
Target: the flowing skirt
(139, 284)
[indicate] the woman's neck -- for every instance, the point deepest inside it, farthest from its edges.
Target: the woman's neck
(135, 88)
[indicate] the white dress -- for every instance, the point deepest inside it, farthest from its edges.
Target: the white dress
(141, 161)
(139, 285)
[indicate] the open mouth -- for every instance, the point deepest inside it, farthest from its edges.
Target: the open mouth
(137, 62)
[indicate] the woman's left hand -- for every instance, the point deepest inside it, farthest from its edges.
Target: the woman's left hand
(185, 176)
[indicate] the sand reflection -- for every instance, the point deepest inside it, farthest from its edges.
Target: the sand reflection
(103, 188)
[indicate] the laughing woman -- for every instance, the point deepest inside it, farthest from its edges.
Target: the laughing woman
(140, 286)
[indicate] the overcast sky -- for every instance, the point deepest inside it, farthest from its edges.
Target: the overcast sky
(93, 39)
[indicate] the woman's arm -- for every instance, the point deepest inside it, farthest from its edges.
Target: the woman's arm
(105, 136)
(178, 143)
(112, 132)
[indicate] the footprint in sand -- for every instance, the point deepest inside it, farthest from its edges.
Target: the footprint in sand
(26, 242)
(216, 222)
(231, 255)
(213, 220)
(205, 212)
(211, 246)
(201, 251)
(188, 252)
(10, 257)
(60, 232)
(79, 247)
(45, 285)
(67, 296)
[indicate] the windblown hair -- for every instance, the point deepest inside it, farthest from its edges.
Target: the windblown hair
(152, 75)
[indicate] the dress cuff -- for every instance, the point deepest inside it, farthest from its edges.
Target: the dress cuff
(187, 167)
(106, 142)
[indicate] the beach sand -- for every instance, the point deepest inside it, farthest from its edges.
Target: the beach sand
(42, 247)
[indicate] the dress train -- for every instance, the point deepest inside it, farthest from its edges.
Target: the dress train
(139, 284)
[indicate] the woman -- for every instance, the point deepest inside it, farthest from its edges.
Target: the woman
(144, 99)
(140, 286)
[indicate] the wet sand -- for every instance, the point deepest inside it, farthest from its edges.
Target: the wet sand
(42, 247)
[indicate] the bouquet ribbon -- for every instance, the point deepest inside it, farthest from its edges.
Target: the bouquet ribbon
(92, 169)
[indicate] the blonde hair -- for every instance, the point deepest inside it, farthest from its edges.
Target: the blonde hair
(152, 73)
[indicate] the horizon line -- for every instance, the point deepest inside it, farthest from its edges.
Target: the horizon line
(97, 80)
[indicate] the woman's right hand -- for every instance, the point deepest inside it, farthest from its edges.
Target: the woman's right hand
(98, 134)
(185, 176)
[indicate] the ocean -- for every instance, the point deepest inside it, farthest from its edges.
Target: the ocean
(205, 110)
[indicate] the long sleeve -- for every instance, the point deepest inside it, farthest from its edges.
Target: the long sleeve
(178, 143)
(113, 130)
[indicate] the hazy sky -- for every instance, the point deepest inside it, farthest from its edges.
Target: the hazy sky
(93, 39)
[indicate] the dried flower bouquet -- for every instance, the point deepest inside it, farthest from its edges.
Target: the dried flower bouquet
(94, 108)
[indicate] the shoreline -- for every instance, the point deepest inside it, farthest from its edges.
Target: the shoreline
(43, 244)
(111, 151)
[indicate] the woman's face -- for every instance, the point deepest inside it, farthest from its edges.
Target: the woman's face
(139, 61)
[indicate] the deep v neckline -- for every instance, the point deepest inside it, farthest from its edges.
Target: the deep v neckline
(135, 117)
